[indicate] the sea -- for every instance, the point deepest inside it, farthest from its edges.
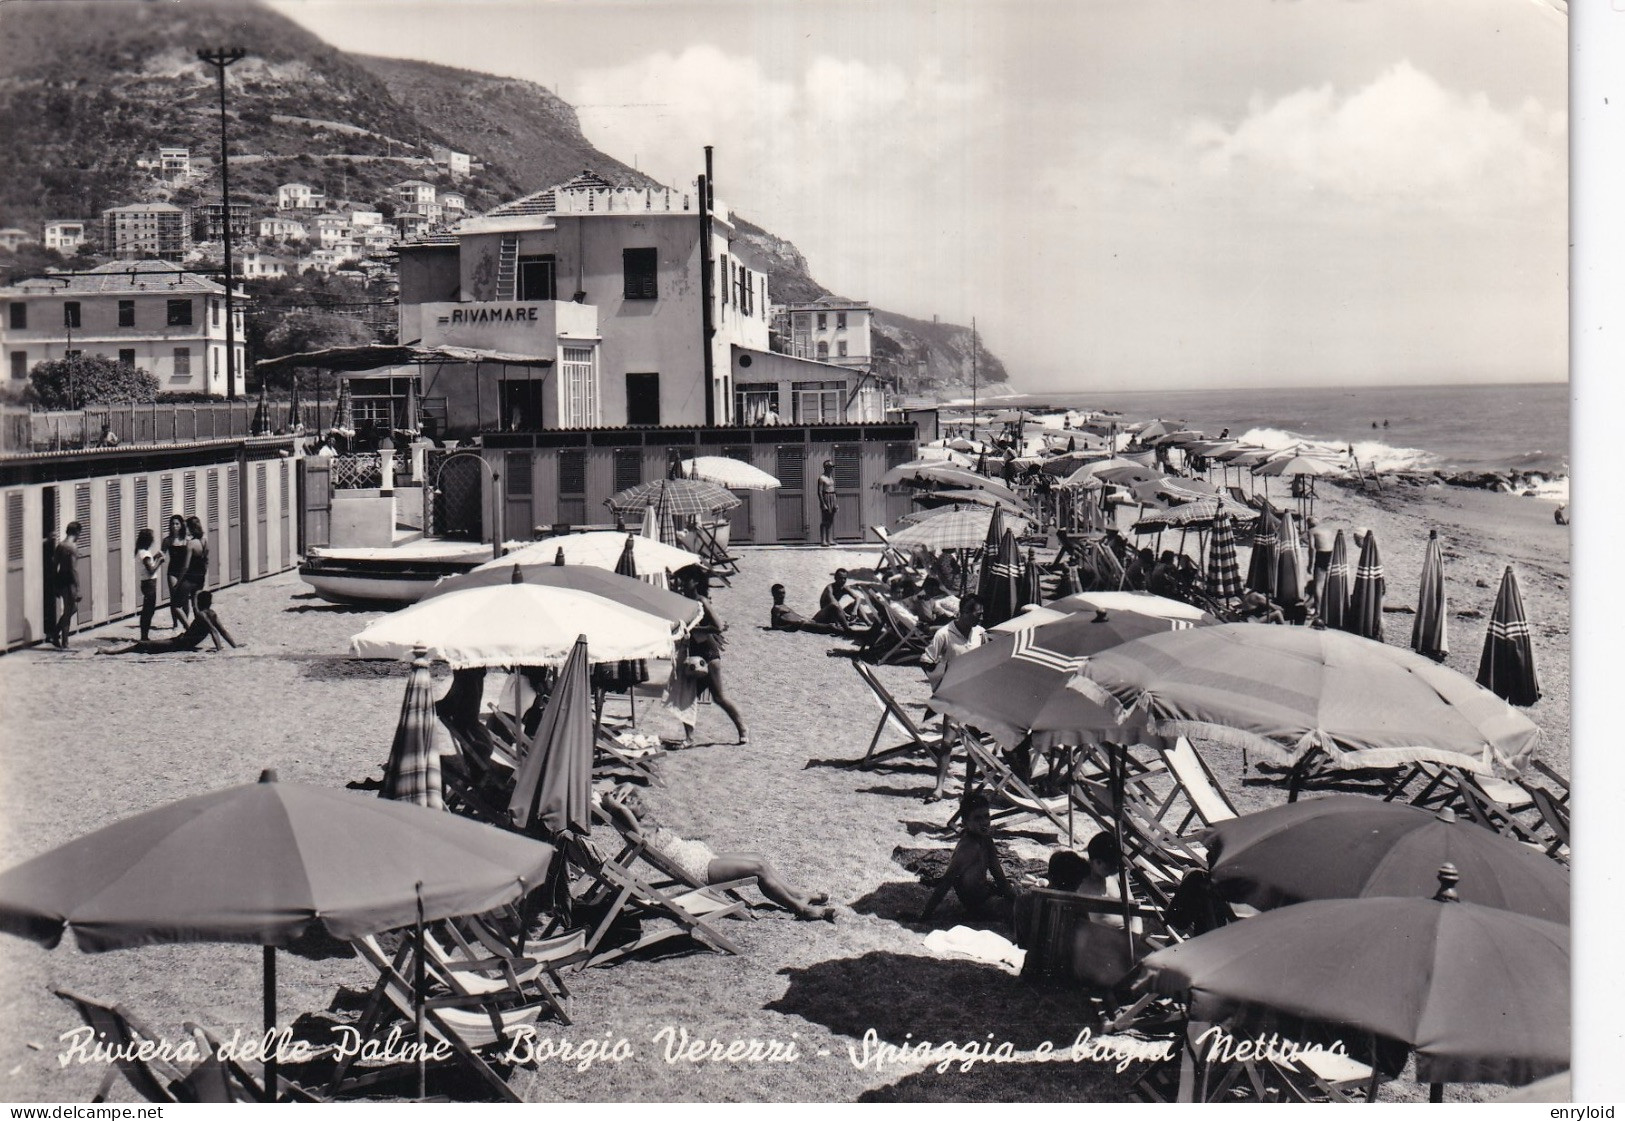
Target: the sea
(1522, 427)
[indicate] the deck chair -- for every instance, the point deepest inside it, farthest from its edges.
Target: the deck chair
(476, 784)
(891, 711)
(1554, 816)
(903, 641)
(667, 874)
(156, 1080)
(691, 911)
(1015, 797)
(475, 961)
(892, 559)
(1479, 799)
(714, 553)
(1322, 1076)
(1204, 798)
(612, 755)
(1440, 788)
(1555, 783)
(471, 1025)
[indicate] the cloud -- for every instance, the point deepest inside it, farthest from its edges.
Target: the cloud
(1403, 140)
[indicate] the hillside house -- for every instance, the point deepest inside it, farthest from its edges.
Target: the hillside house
(410, 223)
(414, 194)
(331, 229)
(456, 163)
(210, 225)
(146, 231)
(282, 229)
(363, 218)
(150, 314)
(452, 205)
(378, 239)
(299, 196)
(12, 238)
(261, 265)
(65, 235)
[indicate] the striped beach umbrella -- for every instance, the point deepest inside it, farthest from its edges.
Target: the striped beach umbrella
(688, 497)
(990, 554)
(1507, 666)
(1428, 636)
(296, 411)
(1365, 605)
(1288, 564)
(1223, 572)
(1334, 590)
(1002, 582)
(625, 676)
(1261, 568)
(1032, 591)
(413, 772)
(260, 425)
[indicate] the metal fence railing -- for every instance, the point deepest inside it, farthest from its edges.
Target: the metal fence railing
(25, 430)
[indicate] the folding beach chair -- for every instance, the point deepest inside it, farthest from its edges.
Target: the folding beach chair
(892, 559)
(1017, 798)
(1205, 800)
(1555, 783)
(475, 961)
(667, 874)
(618, 887)
(893, 712)
(611, 755)
(1554, 816)
(714, 552)
(904, 639)
(472, 1026)
(475, 784)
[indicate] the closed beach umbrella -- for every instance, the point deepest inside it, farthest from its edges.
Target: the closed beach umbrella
(626, 676)
(651, 524)
(558, 562)
(1002, 582)
(1285, 691)
(1365, 605)
(344, 409)
(614, 586)
(1428, 636)
(1261, 567)
(1032, 589)
(1288, 563)
(1223, 573)
(1477, 994)
(735, 474)
(600, 549)
(1507, 665)
(685, 497)
(1334, 589)
(553, 786)
(413, 772)
(1347, 846)
(516, 625)
(990, 554)
(296, 412)
(261, 423)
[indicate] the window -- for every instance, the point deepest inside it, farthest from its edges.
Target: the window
(70, 314)
(572, 471)
(214, 314)
(840, 349)
(126, 313)
(516, 474)
(840, 320)
(537, 279)
(180, 313)
(727, 270)
(819, 402)
(19, 362)
(823, 349)
(823, 320)
(641, 268)
(214, 350)
(642, 398)
(756, 403)
(183, 361)
(19, 316)
(578, 388)
(126, 356)
(628, 468)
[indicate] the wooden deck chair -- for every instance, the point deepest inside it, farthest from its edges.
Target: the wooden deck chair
(475, 961)
(1478, 801)
(1555, 783)
(1440, 788)
(892, 712)
(243, 1085)
(667, 874)
(474, 786)
(1322, 1076)
(691, 911)
(470, 1025)
(714, 554)
(905, 640)
(611, 755)
(1018, 799)
(1204, 798)
(1554, 817)
(892, 559)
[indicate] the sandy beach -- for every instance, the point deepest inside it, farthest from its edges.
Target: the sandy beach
(88, 740)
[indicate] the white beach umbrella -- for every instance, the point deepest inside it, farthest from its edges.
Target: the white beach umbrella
(516, 625)
(601, 549)
(734, 473)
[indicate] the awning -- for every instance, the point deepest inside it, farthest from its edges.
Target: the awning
(374, 357)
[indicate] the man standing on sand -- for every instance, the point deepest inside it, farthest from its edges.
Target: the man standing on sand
(955, 638)
(65, 584)
(1321, 540)
(827, 505)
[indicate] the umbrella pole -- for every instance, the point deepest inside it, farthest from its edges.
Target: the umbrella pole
(1118, 782)
(269, 969)
(417, 1002)
(1436, 1092)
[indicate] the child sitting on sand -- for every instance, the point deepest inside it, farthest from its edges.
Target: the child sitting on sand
(974, 871)
(205, 624)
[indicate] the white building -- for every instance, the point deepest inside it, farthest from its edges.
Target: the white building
(360, 218)
(456, 163)
(11, 238)
(150, 314)
(378, 239)
(64, 235)
(147, 231)
(331, 229)
(282, 229)
(453, 204)
(414, 194)
(827, 330)
(259, 265)
(299, 196)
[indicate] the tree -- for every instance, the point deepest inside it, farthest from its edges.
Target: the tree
(72, 383)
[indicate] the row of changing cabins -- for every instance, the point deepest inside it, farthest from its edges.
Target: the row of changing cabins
(261, 507)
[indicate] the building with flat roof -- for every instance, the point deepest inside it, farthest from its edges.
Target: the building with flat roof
(146, 231)
(65, 235)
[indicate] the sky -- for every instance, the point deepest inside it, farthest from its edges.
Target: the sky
(1125, 194)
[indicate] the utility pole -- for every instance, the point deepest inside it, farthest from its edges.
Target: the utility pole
(220, 58)
(973, 372)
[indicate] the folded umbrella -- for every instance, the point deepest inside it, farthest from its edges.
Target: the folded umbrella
(553, 786)
(1261, 567)
(1334, 588)
(1428, 636)
(1365, 604)
(413, 771)
(1288, 563)
(1002, 580)
(1223, 573)
(1507, 665)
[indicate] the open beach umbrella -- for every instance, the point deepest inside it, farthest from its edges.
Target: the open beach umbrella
(1334, 588)
(1295, 465)
(263, 863)
(1140, 603)
(1365, 604)
(1196, 514)
(1286, 691)
(1001, 582)
(984, 498)
(1428, 636)
(614, 586)
(735, 474)
(1089, 471)
(553, 786)
(1347, 846)
(1157, 428)
(685, 497)
(516, 625)
(413, 771)
(1129, 474)
(1261, 566)
(956, 529)
(1507, 665)
(600, 549)
(1223, 573)
(1476, 993)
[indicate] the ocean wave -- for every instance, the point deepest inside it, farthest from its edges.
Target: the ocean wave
(1372, 454)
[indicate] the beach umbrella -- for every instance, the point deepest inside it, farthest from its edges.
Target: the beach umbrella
(1477, 994)
(651, 524)
(686, 497)
(1223, 573)
(1295, 465)
(1428, 636)
(1140, 603)
(990, 555)
(553, 786)
(1196, 514)
(1087, 473)
(1347, 846)
(516, 625)
(344, 409)
(263, 864)
(1032, 589)
(940, 475)
(1261, 566)
(616, 586)
(1071, 444)
(1507, 665)
(955, 529)
(1284, 692)
(1334, 589)
(1156, 428)
(627, 676)
(971, 498)
(981, 462)
(1239, 451)
(1365, 604)
(1001, 582)
(1128, 474)
(1288, 562)
(295, 409)
(413, 771)
(735, 474)
(600, 549)
(261, 423)
(926, 513)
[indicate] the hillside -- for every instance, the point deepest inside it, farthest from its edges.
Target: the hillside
(89, 86)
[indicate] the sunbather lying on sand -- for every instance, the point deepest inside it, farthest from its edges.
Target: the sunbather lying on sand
(704, 866)
(205, 624)
(974, 871)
